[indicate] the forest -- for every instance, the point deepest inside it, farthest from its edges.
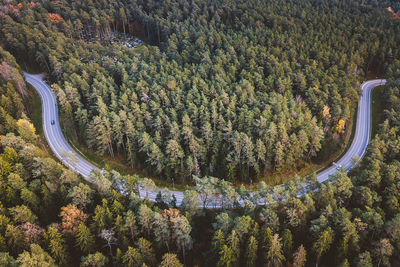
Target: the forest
(231, 89)
(51, 217)
(227, 89)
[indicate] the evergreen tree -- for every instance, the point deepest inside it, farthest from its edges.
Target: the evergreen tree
(84, 238)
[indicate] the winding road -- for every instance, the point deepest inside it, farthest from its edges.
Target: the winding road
(74, 161)
(53, 133)
(362, 136)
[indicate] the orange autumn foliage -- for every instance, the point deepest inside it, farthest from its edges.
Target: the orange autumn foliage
(71, 217)
(395, 15)
(170, 213)
(55, 17)
(16, 7)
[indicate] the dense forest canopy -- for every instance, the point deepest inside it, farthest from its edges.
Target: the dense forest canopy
(214, 80)
(50, 217)
(232, 89)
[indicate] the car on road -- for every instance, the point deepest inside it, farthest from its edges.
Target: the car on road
(52, 122)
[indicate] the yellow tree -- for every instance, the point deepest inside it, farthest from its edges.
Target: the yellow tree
(340, 126)
(26, 130)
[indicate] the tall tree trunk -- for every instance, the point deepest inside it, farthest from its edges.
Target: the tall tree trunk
(109, 245)
(123, 26)
(132, 234)
(183, 254)
(148, 31)
(158, 33)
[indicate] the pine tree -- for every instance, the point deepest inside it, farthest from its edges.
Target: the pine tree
(181, 234)
(56, 245)
(287, 243)
(251, 252)
(323, 243)
(94, 260)
(130, 222)
(275, 255)
(146, 251)
(37, 257)
(170, 260)
(161, 230)
(145, 219)
(226, 258)
(132, 258)
(299, 257)
(84, 238)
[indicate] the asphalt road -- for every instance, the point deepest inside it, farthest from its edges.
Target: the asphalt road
(362, 135)
(74, 161)
(54, 136)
